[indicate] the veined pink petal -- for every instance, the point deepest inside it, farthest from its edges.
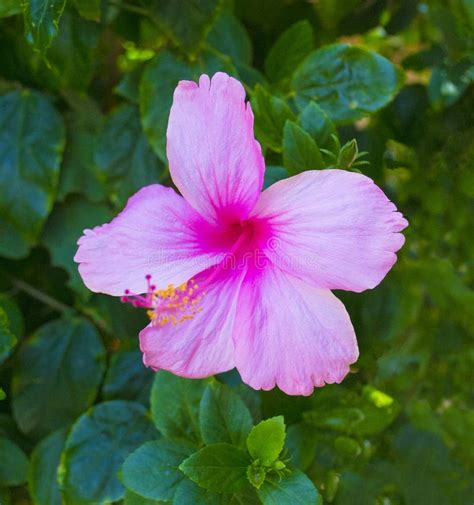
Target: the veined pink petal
(158, 234)
(332, 228)
(201, 346)
(214, 159)
(291, 335)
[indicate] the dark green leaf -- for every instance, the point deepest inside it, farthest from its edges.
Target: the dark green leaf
(265, 441)
(223, 416)
(14, 467)
(130, 498)
(316, 122)
(127, 378)
(124, 157)
(7, 339)
(271, 114)
(218, 467)
(42, 476)
(30, 154)
(175, 406)
(96, 448)
(300, 151)
(189, 493)
(57, 375)
(64, 227)
(156, 95)
(295, 489)
(346, 81)
(152, 470)
(9, 8)
(274, 173)
(42, 21)
(71, 55)
(79, 172)
(301, 443)
(230, 38)
(448, 82)
(186, 21)
(88, 9)
(289, 51)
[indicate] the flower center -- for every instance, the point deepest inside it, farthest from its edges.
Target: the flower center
(171, 305)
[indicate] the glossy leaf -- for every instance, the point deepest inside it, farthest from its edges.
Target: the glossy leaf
(14, 467)
(42, 475)
(300, 151)
(42, 21)
(186, 21)
(271, 114)
(105, 435)
(127, 378)
(289, 51)
(125, 159)
(295, 489)
(175, 406)
(348, 82)
(152, 470)
(30, 155)
(57, 375)
(223, 416)
(265, 441)
(218, 467)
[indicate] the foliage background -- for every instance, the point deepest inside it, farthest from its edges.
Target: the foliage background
(85, 90)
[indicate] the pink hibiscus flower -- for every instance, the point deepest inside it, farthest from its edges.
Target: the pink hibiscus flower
(243, 277)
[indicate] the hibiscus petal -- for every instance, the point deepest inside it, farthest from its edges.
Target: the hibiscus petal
(332, 228)
(309, 343)
(214, 159)
(158, 234)
(201, 346)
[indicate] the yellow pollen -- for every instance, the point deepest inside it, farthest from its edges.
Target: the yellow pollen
(175, 304)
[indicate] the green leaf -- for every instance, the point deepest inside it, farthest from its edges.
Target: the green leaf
(88, 9)
(16, 322)
(448, 82)
(30, 154)
(363, 415)
(96, 448)
(300, 151)
(7, 339)
(57, 375)
(42, 475)
(223, 416)
(42, 21)
(79, 172)
(230, 37)
(289, 51)
(347, 155)
(189, 493)
(347, 82)
(14, 467)
(62, 230)
(218, 467)
(295, 489)
(125, 159)
(274, 173)
(159, 80)
(9, 8)
(175, 406)
(186, 21)
(131, 498)
(316, 122)
(152, 470)
(301, 443)
(271, 114)
(266, 440)
(127, 378)
(2, 394)
(71, 55)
